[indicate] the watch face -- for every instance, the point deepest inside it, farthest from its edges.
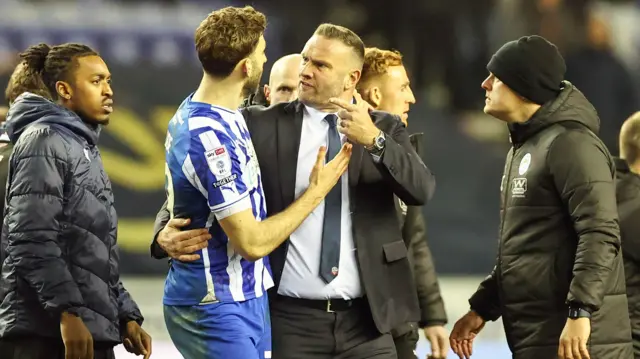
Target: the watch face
(380, 141)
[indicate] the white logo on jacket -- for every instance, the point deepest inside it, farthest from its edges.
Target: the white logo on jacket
(524, 164)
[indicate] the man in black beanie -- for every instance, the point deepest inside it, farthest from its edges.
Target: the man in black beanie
(558, 282)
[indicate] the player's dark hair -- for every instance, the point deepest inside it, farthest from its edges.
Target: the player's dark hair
(46, 65)
(22, 81)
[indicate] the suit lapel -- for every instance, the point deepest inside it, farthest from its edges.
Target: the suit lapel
(355, 165)
(288, 143)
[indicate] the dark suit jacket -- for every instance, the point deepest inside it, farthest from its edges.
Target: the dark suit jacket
(414, 233)
(382, 255)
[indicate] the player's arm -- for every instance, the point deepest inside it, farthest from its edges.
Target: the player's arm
(254, 240)
(582, 174)
(229, 199)
(485, 301)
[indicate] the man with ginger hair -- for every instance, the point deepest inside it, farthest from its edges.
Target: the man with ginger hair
(386, 86)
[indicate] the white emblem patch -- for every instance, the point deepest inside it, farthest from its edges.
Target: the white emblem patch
(524, 164)
(519, 187)
(403, 207)
(219, 162)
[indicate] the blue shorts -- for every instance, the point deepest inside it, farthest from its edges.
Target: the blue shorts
(221, 330)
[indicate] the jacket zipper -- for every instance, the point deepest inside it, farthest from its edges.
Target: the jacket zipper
(505, 195)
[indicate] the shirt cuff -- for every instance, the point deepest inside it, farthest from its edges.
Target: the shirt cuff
(239, 206)
(377, 158)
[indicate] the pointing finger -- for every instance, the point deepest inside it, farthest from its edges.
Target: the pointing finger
(342, 103)
(360, 100)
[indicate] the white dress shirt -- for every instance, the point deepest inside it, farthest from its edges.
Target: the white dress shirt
(300, 277)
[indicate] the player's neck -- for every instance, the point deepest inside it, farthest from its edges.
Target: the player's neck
(225, 92)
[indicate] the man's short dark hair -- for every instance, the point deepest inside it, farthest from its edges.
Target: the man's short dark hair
(226, 37)
(344, 35)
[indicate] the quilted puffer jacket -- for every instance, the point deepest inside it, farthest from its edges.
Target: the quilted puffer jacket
(58, 247)
(559, 239)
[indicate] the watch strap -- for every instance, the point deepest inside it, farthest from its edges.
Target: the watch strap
(577, 312)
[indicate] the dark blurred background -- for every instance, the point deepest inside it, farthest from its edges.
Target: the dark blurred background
(446, 44)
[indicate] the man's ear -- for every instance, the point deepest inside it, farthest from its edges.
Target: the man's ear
(64, 90)
(374, 96)
(246, 67)
(267, 92)
(352, 79)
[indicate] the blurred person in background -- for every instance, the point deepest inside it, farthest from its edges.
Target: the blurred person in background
(559, 281)
(385, 85)
(19, 83)
(216, 305)
(318, 309)
(282, 86)
(609, 86)
(283, 80)
(628, 197)
(563, 22)
(61, 295)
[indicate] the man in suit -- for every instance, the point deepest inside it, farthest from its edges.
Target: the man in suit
(385, 85)
(342, 279)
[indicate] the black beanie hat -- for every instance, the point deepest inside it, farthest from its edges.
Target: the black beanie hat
(531, 66)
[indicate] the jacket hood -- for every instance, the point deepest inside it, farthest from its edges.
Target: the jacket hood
(30, 108)
(570, 106)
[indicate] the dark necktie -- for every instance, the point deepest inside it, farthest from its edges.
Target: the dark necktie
(330, 253)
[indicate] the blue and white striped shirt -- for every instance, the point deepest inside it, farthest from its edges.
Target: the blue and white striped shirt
(212, 172)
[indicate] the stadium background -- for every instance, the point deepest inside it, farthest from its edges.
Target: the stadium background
(149, 49)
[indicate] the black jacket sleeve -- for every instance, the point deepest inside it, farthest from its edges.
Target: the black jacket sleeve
(485, 301)
(583, 173)
(127, 308)
(161, 220)
(431, 304)
(35, 202)
(407, 175)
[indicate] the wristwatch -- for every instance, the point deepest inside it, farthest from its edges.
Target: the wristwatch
(577, 312)
(378, 144)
